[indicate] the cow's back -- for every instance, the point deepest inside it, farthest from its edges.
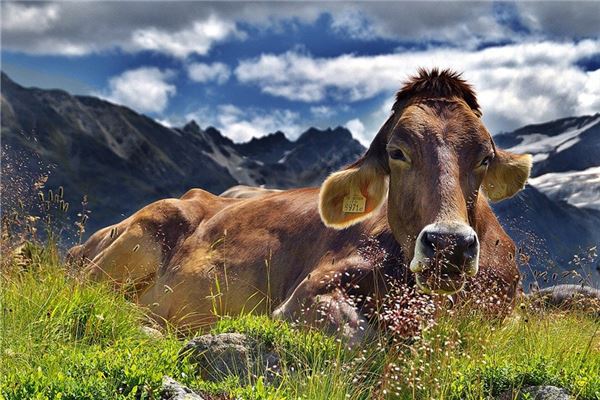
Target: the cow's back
(135, 247)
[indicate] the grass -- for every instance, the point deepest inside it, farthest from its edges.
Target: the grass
(61, 337)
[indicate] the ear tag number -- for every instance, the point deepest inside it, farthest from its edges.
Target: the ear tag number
(354, 203)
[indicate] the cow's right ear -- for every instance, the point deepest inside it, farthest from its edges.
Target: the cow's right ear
(352, 195)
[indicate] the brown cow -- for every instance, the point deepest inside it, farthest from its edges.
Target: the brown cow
(246, 192)
(296, 251)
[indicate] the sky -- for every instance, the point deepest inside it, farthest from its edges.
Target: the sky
(252, 68)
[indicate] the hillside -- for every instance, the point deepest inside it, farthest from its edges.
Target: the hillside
(123, 160)
(558, 214)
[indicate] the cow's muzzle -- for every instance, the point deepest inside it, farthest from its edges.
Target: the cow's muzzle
(445, 255)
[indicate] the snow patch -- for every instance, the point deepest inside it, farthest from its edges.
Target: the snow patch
(578, 188)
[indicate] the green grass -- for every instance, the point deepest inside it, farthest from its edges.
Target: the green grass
(64, 338)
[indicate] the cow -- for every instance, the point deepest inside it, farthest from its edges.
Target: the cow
(413, 209)
(246, 192)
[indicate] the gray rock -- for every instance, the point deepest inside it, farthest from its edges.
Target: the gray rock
(537, 393)
(568, 297)
(218, 356)
(152, 333)
(173, 390)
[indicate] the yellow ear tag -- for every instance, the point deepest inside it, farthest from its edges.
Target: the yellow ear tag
(354, 203)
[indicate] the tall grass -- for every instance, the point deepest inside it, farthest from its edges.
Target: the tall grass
(64, 337)
(61, 337)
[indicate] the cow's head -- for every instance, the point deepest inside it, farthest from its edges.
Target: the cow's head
(432, 158)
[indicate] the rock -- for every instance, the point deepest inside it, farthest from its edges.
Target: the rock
(537, 393)
(152, 333)
(585, 298)
(173, 390)
(218, 356)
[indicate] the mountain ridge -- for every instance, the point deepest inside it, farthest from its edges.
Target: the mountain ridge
(123, 160)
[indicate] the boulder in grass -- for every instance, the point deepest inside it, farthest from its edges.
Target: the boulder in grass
(545, 392)
(173, 390)
(579, 297)
(218, 356)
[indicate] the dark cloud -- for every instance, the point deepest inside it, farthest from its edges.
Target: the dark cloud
(84, 27)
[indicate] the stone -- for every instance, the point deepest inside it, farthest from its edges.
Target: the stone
(217, 356)
(151, 333)
(544, 392)
(173, 390)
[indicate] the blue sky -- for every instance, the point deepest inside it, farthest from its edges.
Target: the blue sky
(252, 68)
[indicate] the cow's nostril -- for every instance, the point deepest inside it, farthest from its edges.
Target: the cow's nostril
(428, 240)
(471, 246)
(470, 240)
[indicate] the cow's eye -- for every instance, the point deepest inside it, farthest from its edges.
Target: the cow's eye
(397, 154)
(486, 161)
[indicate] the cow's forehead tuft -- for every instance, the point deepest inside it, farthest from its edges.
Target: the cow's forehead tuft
(435, 83)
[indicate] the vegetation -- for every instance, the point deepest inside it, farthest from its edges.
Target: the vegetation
(65, 337)
(61, 337)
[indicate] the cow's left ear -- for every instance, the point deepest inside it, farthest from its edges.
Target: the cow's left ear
(506, 175)
(352, 195)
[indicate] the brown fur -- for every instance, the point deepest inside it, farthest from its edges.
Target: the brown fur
(204, 255)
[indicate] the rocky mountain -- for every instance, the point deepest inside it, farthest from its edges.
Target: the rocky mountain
(556, 219)
(123, 160)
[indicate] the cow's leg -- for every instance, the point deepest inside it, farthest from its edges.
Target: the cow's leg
(323, 301)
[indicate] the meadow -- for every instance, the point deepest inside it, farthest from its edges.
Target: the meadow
(64, 337)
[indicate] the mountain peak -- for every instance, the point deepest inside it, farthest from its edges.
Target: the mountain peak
(191, 127)
(270, 139)
(313, 134)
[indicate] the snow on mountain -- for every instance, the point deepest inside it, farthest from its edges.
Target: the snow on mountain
(566, 156)
(541, 145)
(578, 188)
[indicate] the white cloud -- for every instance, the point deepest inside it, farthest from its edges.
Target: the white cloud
(197, 39)
(516, 83)
(358, 131)
(28, 18)
(177, 30)
(144, 89)
(200, 72)
(322, 111)
(241, 125)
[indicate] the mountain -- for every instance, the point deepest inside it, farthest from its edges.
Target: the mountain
(123, 160)
(557, 216)
(565, 154)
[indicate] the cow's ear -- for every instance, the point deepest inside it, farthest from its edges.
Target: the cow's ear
(506, 175)
(352, 195)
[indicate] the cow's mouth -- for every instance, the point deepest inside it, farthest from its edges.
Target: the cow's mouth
(445, 255)
(431, 281)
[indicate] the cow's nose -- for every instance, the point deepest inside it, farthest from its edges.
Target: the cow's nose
(455, 245)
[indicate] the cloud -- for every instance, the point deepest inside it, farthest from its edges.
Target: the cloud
(241, 125)
(175, 29)
(556, 19)
(144, 89)
(300, 77)
(457, 22)
(516, 83)
(200, 72)
(322, 111)
(358, 131)
(183, 28)
(28, 18)
(197, 38)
